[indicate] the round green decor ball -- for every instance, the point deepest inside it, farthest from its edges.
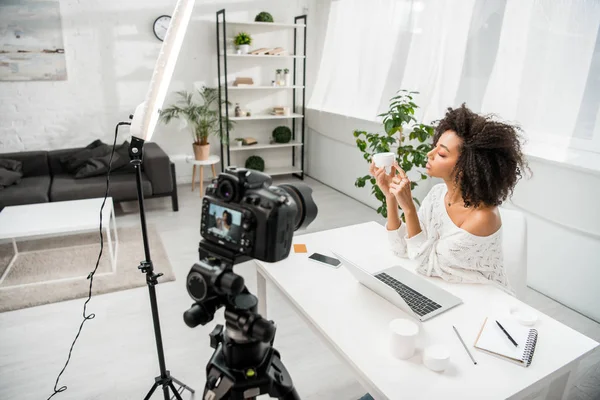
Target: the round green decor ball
(282, 134)
(255, 163)
(263, 17)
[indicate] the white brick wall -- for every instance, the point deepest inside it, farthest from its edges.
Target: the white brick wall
(111, 51)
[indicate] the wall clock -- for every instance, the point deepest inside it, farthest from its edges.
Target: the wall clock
(161, 25)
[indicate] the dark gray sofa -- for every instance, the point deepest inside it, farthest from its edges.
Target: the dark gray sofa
(44, 179)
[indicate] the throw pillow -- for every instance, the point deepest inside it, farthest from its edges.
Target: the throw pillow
(12, 165)
(98, 164)
(72, 162)
(8, 177)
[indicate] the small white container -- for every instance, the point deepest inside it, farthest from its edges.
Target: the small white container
(244, 48)
(436, 357)
(403, 338)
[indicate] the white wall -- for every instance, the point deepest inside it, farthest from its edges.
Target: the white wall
(563, 218)
(111, 51)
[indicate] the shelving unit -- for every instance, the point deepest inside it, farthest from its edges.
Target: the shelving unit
(297, 117)
(266, 116)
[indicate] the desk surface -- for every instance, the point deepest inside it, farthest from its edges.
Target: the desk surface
(354, 323)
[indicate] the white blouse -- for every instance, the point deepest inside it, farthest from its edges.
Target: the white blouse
(444, 250)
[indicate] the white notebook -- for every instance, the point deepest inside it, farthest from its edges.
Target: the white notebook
(492, 340)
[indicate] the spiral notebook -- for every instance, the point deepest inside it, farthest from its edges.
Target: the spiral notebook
(492, 340)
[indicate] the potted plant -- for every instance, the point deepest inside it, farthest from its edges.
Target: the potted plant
(278, 77)
(287, 77)
(202, 118)
(399, 117)
(240, 141)
(243, 42)
(263, 17)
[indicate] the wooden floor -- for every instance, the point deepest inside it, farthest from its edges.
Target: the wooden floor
(115, 357)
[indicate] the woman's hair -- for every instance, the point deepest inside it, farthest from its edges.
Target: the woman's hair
(228, 218)
(491, 161)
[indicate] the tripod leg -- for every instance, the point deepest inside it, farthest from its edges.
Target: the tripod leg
(175, 391)
(183, 385)
(151, 391)
(166, 392)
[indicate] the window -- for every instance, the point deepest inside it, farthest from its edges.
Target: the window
(534, 62)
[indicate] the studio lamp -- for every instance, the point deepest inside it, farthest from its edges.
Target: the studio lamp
(143, 123)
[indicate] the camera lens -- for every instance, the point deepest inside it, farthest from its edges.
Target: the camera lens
(301, 194)
(226, 191)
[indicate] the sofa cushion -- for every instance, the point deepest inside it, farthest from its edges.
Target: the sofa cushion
(122, 187)
(30, 190)
(34, 163)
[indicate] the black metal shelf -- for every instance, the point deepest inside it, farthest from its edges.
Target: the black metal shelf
(298, 117)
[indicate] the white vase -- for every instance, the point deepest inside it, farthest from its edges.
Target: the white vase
(288, 79)
(244, 48)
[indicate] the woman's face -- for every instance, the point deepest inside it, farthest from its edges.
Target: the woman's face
(442, 158)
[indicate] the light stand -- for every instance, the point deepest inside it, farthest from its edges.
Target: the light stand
(165, 379)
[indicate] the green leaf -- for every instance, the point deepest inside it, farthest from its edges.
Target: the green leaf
(417, 201)
(423, 176)
(389, 125)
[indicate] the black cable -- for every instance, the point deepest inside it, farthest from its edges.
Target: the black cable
(91, 275)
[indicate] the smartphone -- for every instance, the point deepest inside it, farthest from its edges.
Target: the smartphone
(332, 262)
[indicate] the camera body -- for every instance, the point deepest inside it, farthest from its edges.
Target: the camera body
(243, 213)
(243, 217)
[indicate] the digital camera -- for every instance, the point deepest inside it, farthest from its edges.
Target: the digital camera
(243, 213)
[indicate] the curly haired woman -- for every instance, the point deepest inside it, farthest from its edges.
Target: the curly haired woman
(456, 234)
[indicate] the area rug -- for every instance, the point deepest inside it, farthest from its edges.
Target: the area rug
(32, 280)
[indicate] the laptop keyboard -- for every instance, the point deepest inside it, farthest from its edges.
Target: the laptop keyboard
(420, 304)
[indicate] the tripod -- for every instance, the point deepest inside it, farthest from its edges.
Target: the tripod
(244, 364)
(165, 379)
(229, 375)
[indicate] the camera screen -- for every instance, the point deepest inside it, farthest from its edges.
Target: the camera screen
(224, 223)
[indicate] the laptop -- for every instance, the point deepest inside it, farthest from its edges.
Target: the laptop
(414, 295)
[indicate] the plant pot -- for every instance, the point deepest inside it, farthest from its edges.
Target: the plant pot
(288, 79)
(240, 143)
(244, 48)
(201, 152)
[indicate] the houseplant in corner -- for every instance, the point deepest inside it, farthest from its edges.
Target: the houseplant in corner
(396, 120)
(243, 42)
(202, 118)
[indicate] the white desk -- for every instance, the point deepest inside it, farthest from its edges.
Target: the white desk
(353, 322)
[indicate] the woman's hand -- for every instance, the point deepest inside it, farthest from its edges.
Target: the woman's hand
(383, 180)
(400, 189)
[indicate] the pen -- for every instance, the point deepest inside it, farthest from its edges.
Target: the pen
(464, 345)
(507, 335)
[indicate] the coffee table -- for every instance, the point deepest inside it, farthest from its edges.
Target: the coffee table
(56, 219)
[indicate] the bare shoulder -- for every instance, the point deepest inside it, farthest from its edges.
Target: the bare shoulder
(483, 221)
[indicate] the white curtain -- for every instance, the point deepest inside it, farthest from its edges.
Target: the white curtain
(535, 62)
(356, 55)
